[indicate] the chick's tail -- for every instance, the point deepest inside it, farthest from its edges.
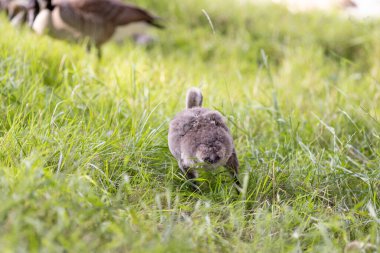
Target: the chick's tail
(194, 98)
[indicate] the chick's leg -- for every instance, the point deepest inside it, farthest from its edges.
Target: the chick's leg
(233, 167)
(190, 174)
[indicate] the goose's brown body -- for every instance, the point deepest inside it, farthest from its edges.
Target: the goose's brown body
(96, 20)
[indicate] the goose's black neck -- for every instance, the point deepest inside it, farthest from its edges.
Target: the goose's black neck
(49, 5)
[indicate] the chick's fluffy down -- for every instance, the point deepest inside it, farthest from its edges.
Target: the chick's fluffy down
(196, 131)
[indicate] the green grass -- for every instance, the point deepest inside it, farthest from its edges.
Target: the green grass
(84, 162)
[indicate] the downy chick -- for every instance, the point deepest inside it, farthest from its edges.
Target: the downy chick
(200, 137)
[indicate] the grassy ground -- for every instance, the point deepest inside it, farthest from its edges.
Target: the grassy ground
(84, 162)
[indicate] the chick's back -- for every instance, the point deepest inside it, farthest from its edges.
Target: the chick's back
(195, 126)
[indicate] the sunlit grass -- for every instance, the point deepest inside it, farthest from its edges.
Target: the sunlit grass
(84, 162)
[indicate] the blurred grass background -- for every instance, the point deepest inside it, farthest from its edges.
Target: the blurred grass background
(84, 163)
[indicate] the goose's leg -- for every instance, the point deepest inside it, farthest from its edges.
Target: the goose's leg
(98, 52)
(90, 45)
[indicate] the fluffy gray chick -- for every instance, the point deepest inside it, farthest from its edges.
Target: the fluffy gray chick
(200, 137)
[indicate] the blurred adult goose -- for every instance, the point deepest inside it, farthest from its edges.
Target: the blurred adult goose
(17, 10)
(95, 20)
(3, 4)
